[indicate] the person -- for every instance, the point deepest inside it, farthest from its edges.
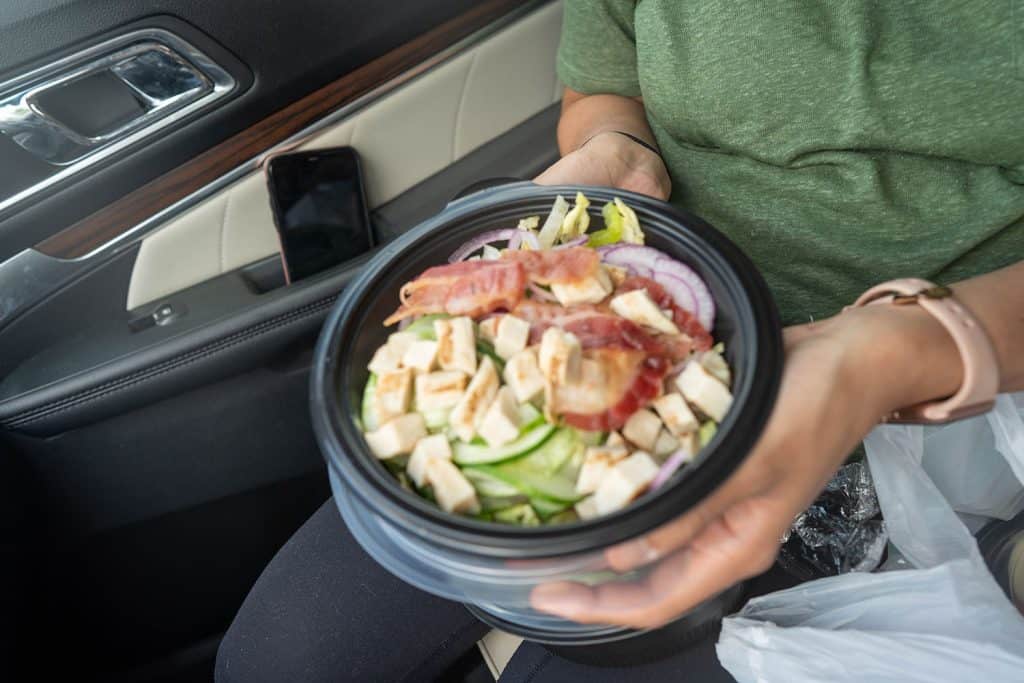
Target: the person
(839, 145)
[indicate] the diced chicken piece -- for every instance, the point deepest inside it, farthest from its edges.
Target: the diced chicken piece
(522, 375)
(676, 415)
(638, 307)
(512, 335)
(427, 448)
(385, 359)
(642, 429)
(689, 444)
(703, 390)
(559, 356)
(597, 462)
(715, 364)
(626, 480)
(401, 341)
(587, 508)
(421, 355)
(488, 329)
(501, 421)
(397, 436)
(589, 290)
(614, 439)
(456, 344)
(617, 274)
(490, 253)
(452, 490)
(391, 397)
(468, 412)
(441, 389)
(665, 445)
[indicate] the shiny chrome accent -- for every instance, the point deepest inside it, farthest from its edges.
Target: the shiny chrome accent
(45, 274)
(171, 79)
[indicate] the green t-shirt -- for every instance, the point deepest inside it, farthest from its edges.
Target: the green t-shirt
(838, 142)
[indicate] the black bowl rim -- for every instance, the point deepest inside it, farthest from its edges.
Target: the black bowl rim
(463, 534)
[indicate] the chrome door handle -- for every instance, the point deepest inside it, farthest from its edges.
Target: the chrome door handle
(166, 76)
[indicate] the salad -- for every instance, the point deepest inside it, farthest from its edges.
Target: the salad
(547, 373)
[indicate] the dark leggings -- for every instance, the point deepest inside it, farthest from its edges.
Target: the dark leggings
(323, 610)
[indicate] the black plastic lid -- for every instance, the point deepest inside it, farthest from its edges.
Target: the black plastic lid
(747, 322)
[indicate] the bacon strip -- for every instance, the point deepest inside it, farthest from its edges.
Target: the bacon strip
(645, 387)
(470, 288)
(597, 327)
(549, 266)
(684, 320)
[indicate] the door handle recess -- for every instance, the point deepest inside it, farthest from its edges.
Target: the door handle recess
(109, 96)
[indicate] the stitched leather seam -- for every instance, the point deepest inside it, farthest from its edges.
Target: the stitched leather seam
(121, 383)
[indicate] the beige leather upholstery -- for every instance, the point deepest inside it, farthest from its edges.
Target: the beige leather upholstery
(403, 138)
(497, 648)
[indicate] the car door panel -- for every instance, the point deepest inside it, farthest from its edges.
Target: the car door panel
(290, 48)
(159, 466)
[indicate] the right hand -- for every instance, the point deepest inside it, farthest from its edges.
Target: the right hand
(612, 160)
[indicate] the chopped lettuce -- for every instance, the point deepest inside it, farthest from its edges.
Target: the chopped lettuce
(620, 225)
(576, 221)
(529, 223)
(553, 225)
(423, 327)
(612, 232)
(631, 231)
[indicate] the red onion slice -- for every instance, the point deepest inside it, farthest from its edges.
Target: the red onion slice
(578, 242)
(505, 235)
(673, 463)
(682, 282)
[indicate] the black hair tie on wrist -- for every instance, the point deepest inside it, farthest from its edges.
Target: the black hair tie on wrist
(640, 141)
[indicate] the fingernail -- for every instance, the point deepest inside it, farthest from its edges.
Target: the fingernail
(633, 554)
(645, 551)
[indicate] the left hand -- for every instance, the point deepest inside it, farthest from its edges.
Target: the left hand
(841, 376)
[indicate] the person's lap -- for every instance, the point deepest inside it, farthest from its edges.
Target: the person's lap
(323, 610)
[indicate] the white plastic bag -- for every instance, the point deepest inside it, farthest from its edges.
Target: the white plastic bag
(944, 620)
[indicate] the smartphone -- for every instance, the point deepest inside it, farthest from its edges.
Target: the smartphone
(319, 206)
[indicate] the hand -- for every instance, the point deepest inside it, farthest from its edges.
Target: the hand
(841, 376)
(612, 160)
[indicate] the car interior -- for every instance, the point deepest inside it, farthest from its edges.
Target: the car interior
(154, 364)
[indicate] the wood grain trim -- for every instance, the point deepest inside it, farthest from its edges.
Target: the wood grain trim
(104, 225)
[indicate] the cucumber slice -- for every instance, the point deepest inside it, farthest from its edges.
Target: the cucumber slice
(489, 486)
(520, 515)
(552, 455)
(367, 414)
(566, 517)
(480, 454)
(548, 508)
(492, 504)
(558, 488)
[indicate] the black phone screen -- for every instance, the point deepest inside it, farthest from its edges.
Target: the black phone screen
(319, 209)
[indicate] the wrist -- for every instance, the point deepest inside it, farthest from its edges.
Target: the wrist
(633, 154)
(902, 356)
